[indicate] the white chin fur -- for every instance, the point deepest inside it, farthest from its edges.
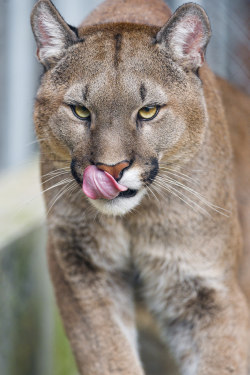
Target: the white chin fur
(118, 206)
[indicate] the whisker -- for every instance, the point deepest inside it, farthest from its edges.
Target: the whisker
(147, 192)
(158, 190)
(180, 175)
(212, 206)
(151, 191)
(57, 175)
(21, 207)
(181, 167)
(75, 185)
(66, 180)
(185, 199)
(36, 141)
(60, 194)
(166, 166)
(55, 171)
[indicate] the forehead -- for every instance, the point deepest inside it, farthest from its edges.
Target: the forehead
(113, 57)
(116, 47)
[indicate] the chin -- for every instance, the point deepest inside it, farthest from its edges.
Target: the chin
(120, 205)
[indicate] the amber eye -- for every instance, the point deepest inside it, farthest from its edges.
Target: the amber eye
(81, 112)
(148, 113)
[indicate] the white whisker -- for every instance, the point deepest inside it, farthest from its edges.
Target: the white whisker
(65, 181)
(36, 141)
(55, 171)
(151, 191)
(158, 190)
(212, 206)
(60, 194)
(180, 175)
(185, 199)
(75, 186)
(56, 175)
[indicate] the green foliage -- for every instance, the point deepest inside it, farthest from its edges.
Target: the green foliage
(32, 338)
(63, 361)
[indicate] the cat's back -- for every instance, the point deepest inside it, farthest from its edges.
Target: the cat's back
(237, 110)
(153, 12)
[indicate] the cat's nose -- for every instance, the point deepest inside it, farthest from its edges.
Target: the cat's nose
(114, 170)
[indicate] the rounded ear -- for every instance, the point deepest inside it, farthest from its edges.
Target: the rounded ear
(53, 35)
(186, 35)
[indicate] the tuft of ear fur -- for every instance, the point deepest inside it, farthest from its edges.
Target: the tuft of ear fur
(186, 35)
(53, 35)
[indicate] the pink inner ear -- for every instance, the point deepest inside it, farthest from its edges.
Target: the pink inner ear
(45, 37)
(193, 39)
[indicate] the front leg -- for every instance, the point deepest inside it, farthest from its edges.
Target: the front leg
(97, 311)
(208, 331)
(204, 321)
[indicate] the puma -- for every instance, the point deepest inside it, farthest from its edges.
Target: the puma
(145, 169)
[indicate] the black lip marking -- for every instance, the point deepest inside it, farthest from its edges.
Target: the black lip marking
(153, 171)
(127, 194)
(74, 172)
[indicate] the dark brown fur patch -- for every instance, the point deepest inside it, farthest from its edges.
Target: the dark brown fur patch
(118, 44)
(204, 304)
(201, 306)
(143, 92)
(75, 257)
(85, 93)
(118, 28)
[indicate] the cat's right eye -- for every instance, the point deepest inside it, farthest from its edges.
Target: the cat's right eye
(81, 112)
(148, 113)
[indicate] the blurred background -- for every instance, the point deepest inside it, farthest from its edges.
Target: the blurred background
(32, 340)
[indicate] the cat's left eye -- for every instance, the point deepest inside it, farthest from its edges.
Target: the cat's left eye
(148, 113)
(81, 112)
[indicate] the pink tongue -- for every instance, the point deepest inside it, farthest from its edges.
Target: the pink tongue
(100, 184)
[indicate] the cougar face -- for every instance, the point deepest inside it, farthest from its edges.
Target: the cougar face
(118, 100)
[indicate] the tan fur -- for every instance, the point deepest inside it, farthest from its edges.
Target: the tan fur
(185, 256)
(237, 111)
